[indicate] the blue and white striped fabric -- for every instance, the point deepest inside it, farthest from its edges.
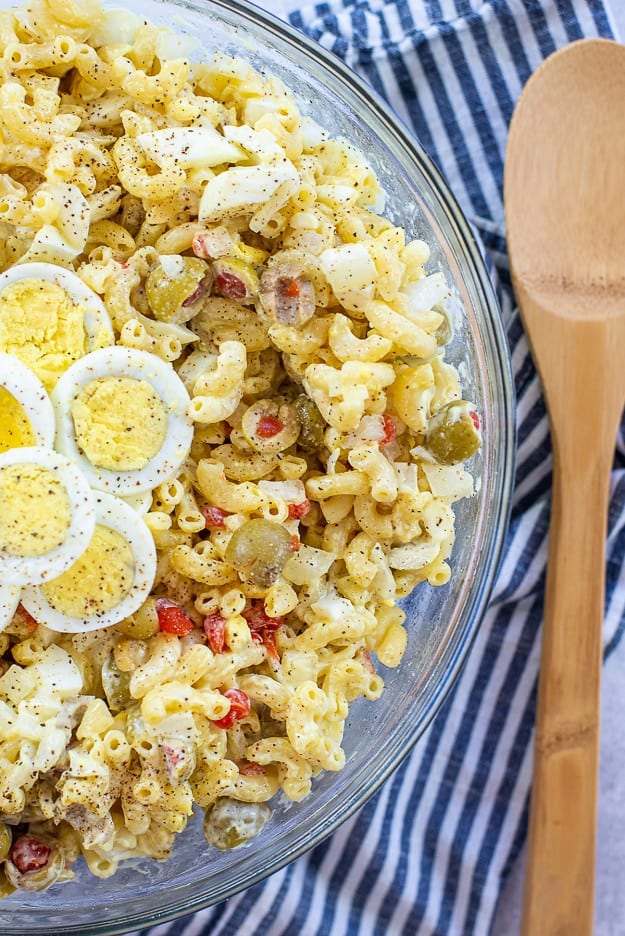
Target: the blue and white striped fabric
(428, 855)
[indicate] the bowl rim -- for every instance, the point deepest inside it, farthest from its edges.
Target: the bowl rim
(456, 649)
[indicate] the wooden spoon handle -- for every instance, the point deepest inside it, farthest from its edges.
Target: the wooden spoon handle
(560, 871)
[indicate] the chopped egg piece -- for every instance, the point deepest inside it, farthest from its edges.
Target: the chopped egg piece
(47, 515)
(49, 318)
(108, 582)
(242, 188)
(189, 147)
(27, 414)
(122, 418)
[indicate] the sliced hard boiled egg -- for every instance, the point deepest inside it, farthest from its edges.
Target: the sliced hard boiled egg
(122, 417)
(9, 600)
(47, 515)
(26, 412)
(49, 318)
(140, 502)
(108, 582)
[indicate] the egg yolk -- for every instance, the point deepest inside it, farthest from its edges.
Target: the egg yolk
(99, 579)
(15, 428)
(120, 422)
(35, 511)
(43, 327)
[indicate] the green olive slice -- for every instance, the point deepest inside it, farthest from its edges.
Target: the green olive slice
(270, 425)
(235, 279)
(35, 862)
(176, 287)
(287, 294)
(453, 433)
(229, 822)
(259, 550)
(311, 422)
(116, 685)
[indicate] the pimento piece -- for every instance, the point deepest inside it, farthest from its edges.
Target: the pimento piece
(297, 511)
(231, 286)
(291, 288)
(389, 426)
(269, 426)
(215, 630)
(201, 245)
(240, 707)
(26, 619)
(263, 628)
(258, 619)
(172, 755)
(29, 854)
(268, 640)
(294, 543)
(475, 419)
(249, 769)
(172, 619)
(367, 662)
(202, 289)
(214, 517)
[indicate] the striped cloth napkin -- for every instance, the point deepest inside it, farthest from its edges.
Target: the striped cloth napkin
(429, 853)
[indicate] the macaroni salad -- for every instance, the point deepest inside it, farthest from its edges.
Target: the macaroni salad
(257, 444)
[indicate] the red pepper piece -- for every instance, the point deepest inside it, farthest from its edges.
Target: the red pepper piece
(251, 770)
(390, 430)
(200, 245)
(214, 517)
(202, 289)
(172, 619)
(263, 628)
(297, 511)
(475, 419)
(294, 543)
(291, 289)
(26, 618)
(172, 755)
(240, 707)
(268, 640)
(269, 426)
(215, 630)
(230, 286)
(258, 619)
(29, 854)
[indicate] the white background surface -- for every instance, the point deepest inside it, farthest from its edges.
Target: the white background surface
(610, 887)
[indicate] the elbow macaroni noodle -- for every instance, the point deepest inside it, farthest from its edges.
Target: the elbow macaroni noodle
(123, 157)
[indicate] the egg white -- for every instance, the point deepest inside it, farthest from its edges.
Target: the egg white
(119, 361)
(9, 600)
(22, 570)
(112, 512)
(141, 502)
(32, 396)
(97, 320)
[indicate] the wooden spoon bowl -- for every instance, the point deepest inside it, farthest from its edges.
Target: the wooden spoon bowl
(564, 192)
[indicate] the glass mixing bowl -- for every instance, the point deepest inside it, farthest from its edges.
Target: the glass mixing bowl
(442, 621)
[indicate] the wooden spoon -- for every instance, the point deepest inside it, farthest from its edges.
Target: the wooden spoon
(564, 192)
